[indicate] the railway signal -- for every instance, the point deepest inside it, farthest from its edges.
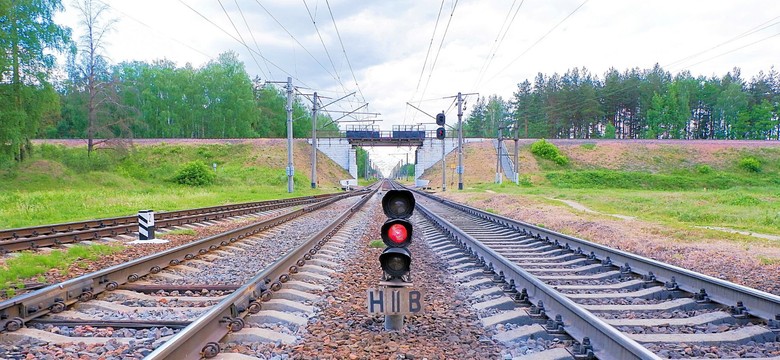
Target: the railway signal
(396, 232)
(440, 119)
(395, 297)
(440, 133)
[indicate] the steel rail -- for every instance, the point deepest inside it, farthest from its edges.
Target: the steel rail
(608, 342)
(758, 303)
(201, 338)
(16, 311)
(40, 230)
(71, 236)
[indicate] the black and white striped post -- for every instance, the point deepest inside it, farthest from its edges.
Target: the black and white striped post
(146, 225)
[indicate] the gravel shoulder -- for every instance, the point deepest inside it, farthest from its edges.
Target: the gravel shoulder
(735, 261)
(447, 329)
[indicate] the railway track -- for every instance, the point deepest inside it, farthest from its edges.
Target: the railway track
(252, 291)
(19, 239)
(179, 304)
(613, 304)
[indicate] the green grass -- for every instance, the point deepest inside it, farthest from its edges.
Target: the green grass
(182, 232)
(61, 184)
(28, 265)
(755, 209)
(376, 244)
(679, 180)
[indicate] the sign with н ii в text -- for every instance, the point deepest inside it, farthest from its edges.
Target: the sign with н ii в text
(394, 301)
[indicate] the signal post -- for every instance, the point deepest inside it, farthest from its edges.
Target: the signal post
(395, 297)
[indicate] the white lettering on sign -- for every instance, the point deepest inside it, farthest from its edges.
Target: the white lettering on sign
(394, 301)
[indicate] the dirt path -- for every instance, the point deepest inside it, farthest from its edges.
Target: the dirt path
(581, 207)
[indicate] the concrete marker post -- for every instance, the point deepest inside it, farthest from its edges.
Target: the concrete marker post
(145, 225)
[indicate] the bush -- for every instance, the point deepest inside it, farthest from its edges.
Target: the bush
(750, 164)
(549, 151)
(703, 169)
(561, 160)
(195, 173)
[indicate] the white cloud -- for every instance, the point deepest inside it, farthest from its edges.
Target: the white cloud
(387, 41)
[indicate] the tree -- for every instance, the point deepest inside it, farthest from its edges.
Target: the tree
(28, 38)
(474, 125)
(730, 110)
(93, 67)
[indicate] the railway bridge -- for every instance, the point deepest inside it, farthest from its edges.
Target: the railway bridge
(341, 146)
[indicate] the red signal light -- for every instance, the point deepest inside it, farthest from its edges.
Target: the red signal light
(397, 234)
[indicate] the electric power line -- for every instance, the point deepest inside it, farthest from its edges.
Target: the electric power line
(627, 87)
(239, 35)
(749, 32)
(156, 30)
(296, 40)
(430, 45)
(327, 53)
(539, 40)
(246, 23)
(438, 52)
(239, 41)
(497, 43)
(345, 51)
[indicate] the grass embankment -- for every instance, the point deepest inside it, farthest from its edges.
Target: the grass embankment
(28, 265)
(61, 184)
(674, 191)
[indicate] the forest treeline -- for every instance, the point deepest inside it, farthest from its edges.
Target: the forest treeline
(633, 104)
(92, 99)
(161, 100)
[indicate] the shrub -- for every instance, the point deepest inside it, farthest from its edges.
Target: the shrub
(561, 160)
(750, 164)
(703, 169)
(547, 150)
(195, 173)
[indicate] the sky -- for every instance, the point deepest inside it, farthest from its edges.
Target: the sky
(423, 52)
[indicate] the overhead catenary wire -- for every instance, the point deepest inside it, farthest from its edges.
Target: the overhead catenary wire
(252, 34)
(425, 62)
(295, 39)
(539, 40)
(240, 36)
(156, 30)
(430, 46)
(327, 53)
(239, 41)
(497, 42)
(346, 57)
(627, 87)
(749, 32)
(438, 52)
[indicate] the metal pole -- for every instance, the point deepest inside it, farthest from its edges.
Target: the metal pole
(314, 143)
(443, 169)
(460, 142)
(290, 168)
(517, 161)
(406, 169)
(498, 155)
(394, 322)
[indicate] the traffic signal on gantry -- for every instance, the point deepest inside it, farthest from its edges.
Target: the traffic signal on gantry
(396, 260)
